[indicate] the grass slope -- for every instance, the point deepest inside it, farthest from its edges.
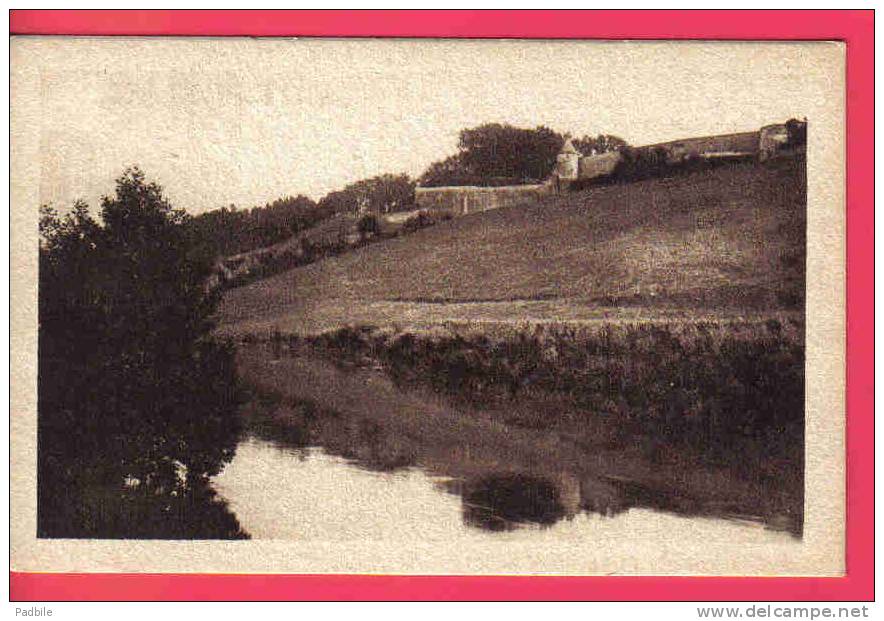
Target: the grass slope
(725, 240)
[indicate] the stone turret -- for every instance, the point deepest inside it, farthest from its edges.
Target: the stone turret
(567, 162)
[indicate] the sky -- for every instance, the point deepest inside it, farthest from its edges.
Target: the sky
(246, 121)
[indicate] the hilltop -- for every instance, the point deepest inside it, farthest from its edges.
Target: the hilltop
(726, 240)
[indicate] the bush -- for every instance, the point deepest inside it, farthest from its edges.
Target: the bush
(368, 226)
(722, 388)
(641, 163)
(419, 221)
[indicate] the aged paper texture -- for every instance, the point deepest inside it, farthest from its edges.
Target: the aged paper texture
(503, 307)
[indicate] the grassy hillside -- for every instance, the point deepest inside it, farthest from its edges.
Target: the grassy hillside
(648, 333)
(728, 240)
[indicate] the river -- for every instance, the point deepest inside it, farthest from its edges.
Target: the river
(283, 493)
(332, 455)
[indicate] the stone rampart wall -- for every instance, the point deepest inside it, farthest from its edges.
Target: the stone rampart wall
(467, 199)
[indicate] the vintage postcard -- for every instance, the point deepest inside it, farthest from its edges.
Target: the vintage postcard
(427, 306)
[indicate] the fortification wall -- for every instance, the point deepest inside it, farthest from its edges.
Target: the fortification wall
(745, 143)
(467, 199)
(571, 167)
(593, 166)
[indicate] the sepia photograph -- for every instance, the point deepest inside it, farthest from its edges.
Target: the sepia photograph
(429, 306)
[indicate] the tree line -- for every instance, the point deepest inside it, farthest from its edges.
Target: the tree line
(499, 154)
(228, 231)
(492, 154)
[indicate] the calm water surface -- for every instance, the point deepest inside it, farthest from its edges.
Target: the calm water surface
(305, 493)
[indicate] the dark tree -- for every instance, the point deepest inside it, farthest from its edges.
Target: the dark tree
(497, 154)
(386, 193)
(137, 403)
(338, 202)
(368, 226)
(603, 143)
(496, 150)
(382, 194)
(450, 171)
(229, 231)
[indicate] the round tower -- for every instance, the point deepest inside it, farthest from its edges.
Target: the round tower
(567, 162)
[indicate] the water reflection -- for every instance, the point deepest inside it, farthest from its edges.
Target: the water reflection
(502, 502)
(280, 492)
(299, 426)
(308, 473)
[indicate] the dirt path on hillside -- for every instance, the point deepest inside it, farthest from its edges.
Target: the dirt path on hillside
(308, 318)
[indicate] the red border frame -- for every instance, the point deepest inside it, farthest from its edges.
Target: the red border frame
(855, 27)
